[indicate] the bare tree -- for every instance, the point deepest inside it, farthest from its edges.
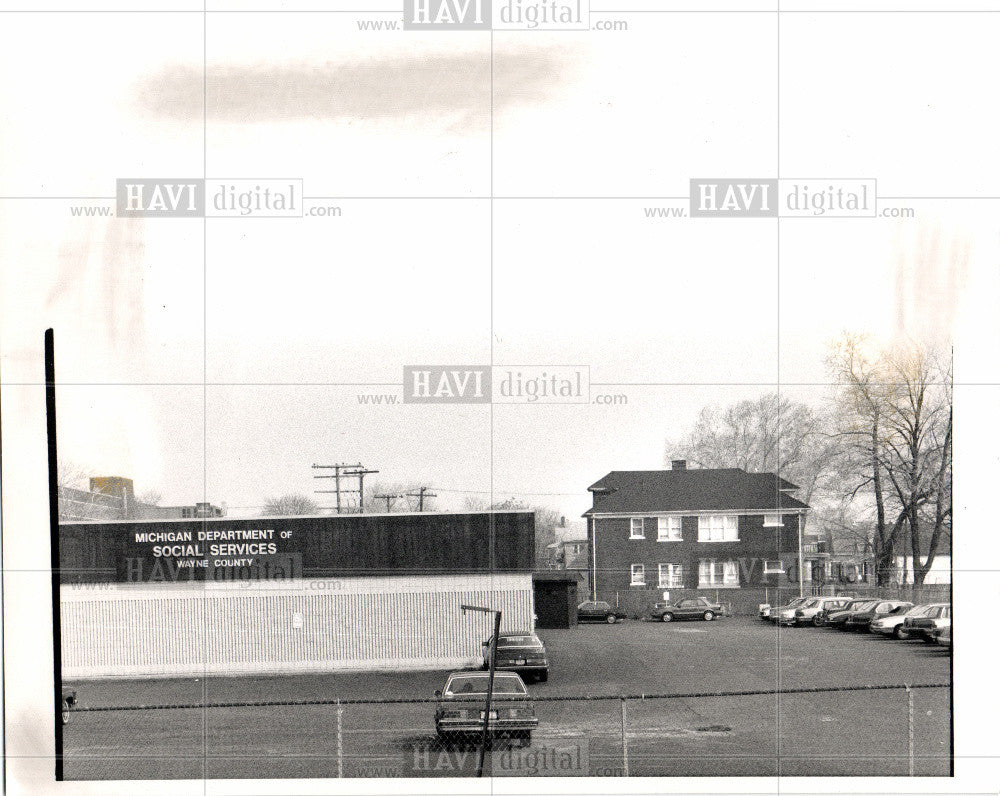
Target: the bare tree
(74, 475)
(894, 422)
(150, 497)
(769, 434)
(290, 504)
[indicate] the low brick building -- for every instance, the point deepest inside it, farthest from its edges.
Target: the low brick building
(728, 534)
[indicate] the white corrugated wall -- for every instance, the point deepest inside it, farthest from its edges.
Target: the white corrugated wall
(268, 627)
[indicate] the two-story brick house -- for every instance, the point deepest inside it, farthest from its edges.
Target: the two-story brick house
(724, 533)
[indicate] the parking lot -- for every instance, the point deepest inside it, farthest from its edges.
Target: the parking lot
(826, 733)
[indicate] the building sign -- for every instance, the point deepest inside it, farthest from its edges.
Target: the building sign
(222, 553)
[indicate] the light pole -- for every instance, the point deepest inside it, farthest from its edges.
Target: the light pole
(802, 574)
(489, 685)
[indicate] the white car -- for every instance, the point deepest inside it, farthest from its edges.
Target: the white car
(892, 624)
(786, 613)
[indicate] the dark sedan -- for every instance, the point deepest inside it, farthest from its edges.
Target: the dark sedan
(936, 617)
(862, 620)
(597, 611)
(461, 707)
(839, 618)
(522, 652)
(688, 608)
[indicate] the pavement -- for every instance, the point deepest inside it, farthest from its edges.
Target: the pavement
(580, 713)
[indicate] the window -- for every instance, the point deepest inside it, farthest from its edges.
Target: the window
(638, 575)
(671, 576)
(717, 574)
(635, 528)
(668, 529)
(773, 568)
(717, 528)
(773, 521)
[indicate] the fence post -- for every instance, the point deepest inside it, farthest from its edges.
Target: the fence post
(909, 726)
(624, 739)
(340, 740)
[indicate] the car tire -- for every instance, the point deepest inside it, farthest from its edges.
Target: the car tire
(817, 621)
(543, 677)
(611, 619)
(65, 712)
(667, 618)
(929, 639)
(898, 633)
(708, 616)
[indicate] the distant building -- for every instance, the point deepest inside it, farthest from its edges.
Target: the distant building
(79, 505)
(113, 498)
(197, 511)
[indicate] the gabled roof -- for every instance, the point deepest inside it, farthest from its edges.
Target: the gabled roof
(729, 489)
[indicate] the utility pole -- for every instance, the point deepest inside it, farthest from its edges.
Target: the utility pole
(421, 493)
(345, 471)
(360, 472)
(388, 500)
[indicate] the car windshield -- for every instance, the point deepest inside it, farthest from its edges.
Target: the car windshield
(810, 603)
(899, 609)
(918, 610)
(478, 683)
(863, 605)
(519, 641)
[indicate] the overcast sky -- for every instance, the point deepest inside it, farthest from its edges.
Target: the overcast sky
(673, 314)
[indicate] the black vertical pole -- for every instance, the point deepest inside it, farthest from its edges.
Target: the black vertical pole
(489, 694)
(50, 428)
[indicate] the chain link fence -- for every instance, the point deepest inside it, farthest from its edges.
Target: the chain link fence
(874, 730)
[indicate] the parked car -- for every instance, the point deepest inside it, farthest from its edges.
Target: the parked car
(892, 624)
(68, 703)
(688, 608)
(809, 613)
(519, 652)
(787, 611)
(861, 620)
(942, 635)
(597, 611)
(837, 618)
(461, 707)
(938, 616)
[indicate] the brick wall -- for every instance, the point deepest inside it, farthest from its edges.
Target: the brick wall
(617, 552)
